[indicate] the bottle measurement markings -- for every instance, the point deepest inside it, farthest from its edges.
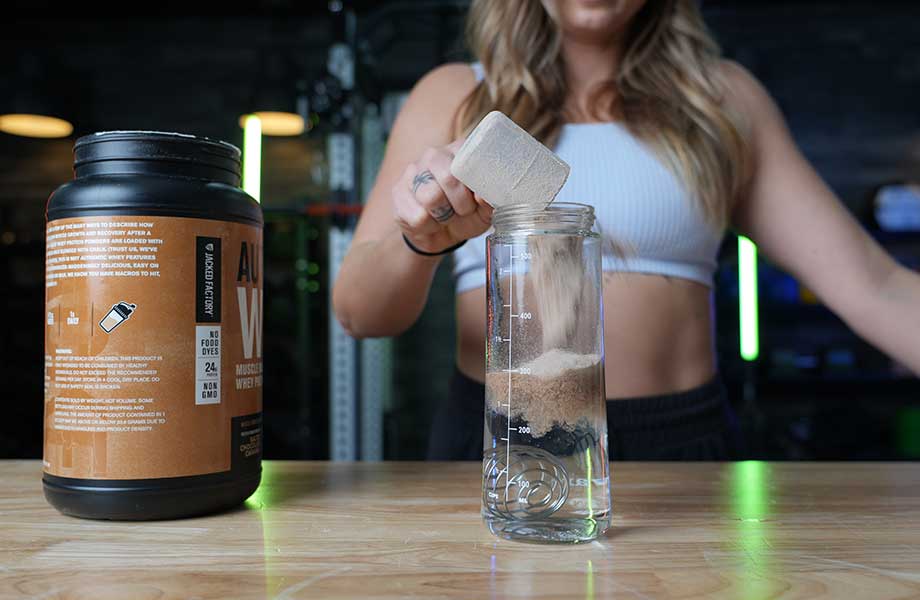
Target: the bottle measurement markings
(507, 439)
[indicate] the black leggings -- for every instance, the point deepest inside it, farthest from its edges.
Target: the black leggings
(694, 425)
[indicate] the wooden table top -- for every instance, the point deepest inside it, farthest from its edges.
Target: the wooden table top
(740, 531)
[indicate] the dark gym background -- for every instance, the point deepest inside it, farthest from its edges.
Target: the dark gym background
(846, 75)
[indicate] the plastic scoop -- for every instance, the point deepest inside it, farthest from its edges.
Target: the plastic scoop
(504, 164)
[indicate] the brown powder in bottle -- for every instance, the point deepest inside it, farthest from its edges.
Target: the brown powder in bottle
(557, 389)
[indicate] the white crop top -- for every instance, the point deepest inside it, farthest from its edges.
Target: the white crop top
(638, 203)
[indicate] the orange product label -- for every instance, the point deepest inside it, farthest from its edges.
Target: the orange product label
(153, 347)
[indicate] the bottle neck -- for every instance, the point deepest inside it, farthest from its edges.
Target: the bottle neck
(566, 218)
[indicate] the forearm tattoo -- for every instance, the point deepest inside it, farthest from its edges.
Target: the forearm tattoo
(421, 179)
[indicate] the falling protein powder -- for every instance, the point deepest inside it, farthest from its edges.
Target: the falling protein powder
(557, 389)
(561, 289)
(565, 294)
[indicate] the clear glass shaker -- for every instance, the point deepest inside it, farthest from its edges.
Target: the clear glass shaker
(545, 473)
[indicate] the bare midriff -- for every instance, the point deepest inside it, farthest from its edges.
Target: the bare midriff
(657, 334)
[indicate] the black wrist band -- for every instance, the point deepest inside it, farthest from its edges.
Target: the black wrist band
(423, 253)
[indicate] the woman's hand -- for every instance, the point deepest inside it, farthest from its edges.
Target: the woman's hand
(432, 208)
(382, 285)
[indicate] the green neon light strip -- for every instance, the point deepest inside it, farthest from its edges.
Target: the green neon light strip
(748, 308)
(252, 157)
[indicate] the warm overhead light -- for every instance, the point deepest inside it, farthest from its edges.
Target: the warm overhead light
(37, 126)
(278, 95)
(34, 106)
(277, 123)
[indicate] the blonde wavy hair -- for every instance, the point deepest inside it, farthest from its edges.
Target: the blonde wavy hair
(668, 89)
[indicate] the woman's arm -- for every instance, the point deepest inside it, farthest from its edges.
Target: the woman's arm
(802, 226)
(382, 286)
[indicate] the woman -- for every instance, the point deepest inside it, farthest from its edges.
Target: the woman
(671, 144)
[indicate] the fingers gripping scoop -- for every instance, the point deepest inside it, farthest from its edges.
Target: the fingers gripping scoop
(505, 165)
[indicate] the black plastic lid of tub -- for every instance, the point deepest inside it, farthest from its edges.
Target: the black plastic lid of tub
(156, 152)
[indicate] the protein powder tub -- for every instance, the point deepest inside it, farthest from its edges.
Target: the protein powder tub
(153, 330)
